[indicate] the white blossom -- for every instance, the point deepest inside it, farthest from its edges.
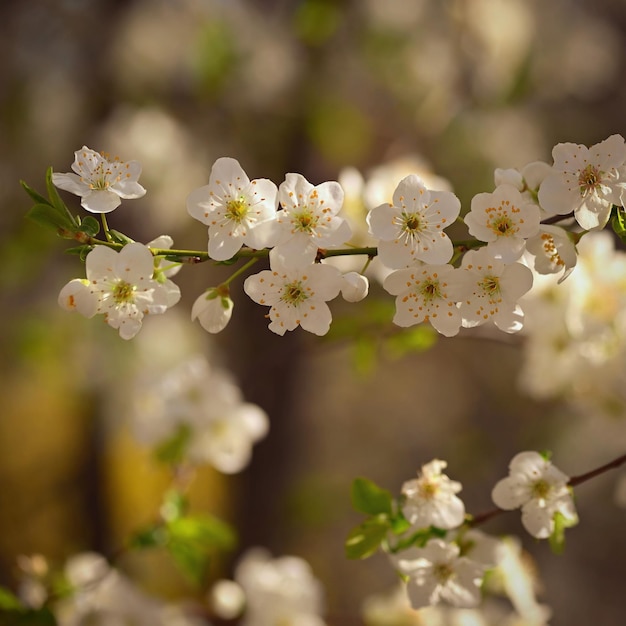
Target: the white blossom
(308, 220)
(431, 500)
(438, 573)
(120, 286)
(553, 250)
(354, 287)
(489, 290)
(540, 489)
(279, 590)
(213, 310)
(504, 219)
(296, 297)
(424, 294)
(101, 183)
(587, 181)
(237, 210)
(411, 229)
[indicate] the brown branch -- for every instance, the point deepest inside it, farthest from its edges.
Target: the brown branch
(576, 480)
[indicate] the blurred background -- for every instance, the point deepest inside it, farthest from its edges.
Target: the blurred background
(451, 87)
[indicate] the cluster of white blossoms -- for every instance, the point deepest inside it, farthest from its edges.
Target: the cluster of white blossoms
(449, 565)
(198, 410)
(302, 227)
(270, 591)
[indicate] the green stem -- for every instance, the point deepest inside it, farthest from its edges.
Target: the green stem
(105, 227)
(240, 271)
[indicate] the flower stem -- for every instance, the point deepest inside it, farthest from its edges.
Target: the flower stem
(581, 478)
(240, 271)
(105, 227)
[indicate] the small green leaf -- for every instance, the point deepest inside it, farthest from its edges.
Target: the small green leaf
(365, 539)
(149, 537)
(193, 540)
(36, 197)
(172, 450)
(618, 222)
(57, 203)
(81, 251)
(368, 497)
(90, 226)
(119, 237)
(48, 216)
(399, 524)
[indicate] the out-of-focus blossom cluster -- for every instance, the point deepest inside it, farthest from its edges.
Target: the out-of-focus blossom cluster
(198, 410)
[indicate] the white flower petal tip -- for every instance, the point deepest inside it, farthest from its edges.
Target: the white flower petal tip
(213, 310)
(101, 183)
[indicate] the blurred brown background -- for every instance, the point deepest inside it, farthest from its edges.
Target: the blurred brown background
(311, 86)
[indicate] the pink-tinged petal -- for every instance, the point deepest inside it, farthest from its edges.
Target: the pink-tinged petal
(97, 201)
(382, 222)
(71, 183)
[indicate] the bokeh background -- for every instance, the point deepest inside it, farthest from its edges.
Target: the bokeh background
(457, 87)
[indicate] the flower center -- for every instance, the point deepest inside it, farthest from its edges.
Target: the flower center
(589, 180)
(305, 221)
(123, 292)
(430, 290)
(412, 223)
(429, 489)
(502, 225)
(490, 285)
(541, 489)
(443, 572)
(237, 209)
(294, 293)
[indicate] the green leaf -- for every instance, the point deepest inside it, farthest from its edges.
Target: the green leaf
(90, 226)
(399, 524)
(8, 600)
(149, 537)
(81, 251)
(57, 203)
(194, 539)
(368, 497)
(618, 222)
(119, 237)
(46, 215)
(365, 539)
(36, 197)
(172, 450)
